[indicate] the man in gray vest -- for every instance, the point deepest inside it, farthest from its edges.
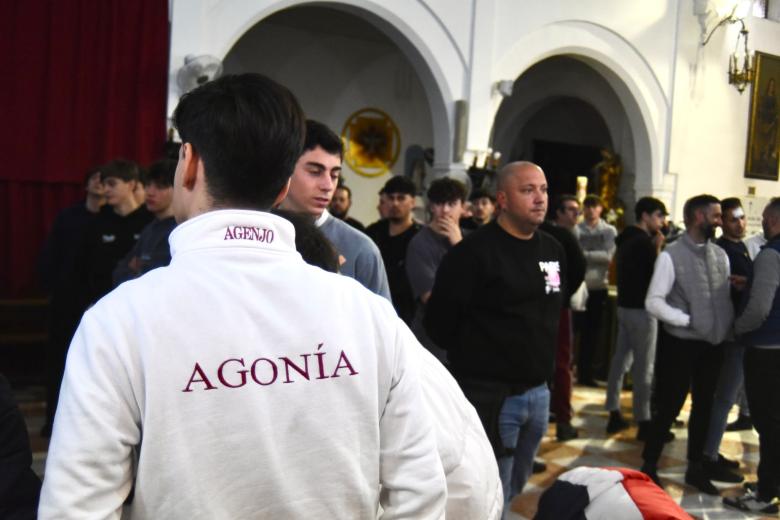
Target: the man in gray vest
(689, 295)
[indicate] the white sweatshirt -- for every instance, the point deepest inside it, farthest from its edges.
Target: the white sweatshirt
(248, 384)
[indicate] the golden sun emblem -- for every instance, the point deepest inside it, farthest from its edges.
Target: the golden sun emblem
(371, 142)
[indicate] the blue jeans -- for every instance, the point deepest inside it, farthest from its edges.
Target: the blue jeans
(521, 424)
(729, 384)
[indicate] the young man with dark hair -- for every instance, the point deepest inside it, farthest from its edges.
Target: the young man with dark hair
(312, 185)
(59, 270)
(637, 248)
(561, 229)
(689, 294)
(597, 239)
(340, 205)
(483, 207)
(566, 212)
(495, 308)
(742, 251)
(115, 230)
(423, 256)
(247, 397)
(392, 236)
(151, 250)
(732, 374)
(759, 328)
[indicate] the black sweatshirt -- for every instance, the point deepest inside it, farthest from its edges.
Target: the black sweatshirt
(634, 262)
(495, 306)
(109, 238)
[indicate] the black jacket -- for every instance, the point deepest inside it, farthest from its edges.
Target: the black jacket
(635, 261)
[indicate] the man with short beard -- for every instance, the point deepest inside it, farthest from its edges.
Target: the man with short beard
(392, 236)
(689, 295)
(340, 205)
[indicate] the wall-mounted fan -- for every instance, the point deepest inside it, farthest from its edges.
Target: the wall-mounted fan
(196, 71)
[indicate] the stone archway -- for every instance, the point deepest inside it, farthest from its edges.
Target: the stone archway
(625, 77)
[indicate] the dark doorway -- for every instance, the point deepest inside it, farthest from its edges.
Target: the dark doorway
(563, 163)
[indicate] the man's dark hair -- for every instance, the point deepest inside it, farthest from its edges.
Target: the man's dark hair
(121, 169)
(648, 205)
(320, 135)
(248, 130)
(697, 203)
(559, 202)
(310, 242)
(400, 184)
(592, 200)
(479, 193)
(161, 173)
(90, 173)
(446, 190)
(774, 206)
(730, 203)
(345, 188)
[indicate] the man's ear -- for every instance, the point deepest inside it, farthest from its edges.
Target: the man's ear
(282, 194)
(501, 199)
(191, 162)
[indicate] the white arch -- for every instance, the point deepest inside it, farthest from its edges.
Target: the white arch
(207, 27)
(632, 79)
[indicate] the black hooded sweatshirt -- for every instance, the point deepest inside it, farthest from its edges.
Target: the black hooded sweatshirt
(635, 260)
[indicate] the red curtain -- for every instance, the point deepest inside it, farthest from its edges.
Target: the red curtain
(84, 82)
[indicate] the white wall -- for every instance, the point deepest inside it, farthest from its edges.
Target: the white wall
(688, 125)
(710, 125)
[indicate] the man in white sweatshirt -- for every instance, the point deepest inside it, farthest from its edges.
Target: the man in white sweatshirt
(240, 382)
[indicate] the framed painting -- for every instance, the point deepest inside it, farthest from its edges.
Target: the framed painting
(763, 137)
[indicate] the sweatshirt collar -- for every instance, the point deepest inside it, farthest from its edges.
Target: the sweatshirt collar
(322, 218)
(233, 228)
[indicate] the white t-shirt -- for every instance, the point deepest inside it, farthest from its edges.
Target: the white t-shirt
(249, 384)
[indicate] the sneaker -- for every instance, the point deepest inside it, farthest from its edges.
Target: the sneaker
(743, 422)
(696, 476)
(565, 432)
(616, 422)
(727, 463)
(716, 471)
(751, 503)
(538, 467)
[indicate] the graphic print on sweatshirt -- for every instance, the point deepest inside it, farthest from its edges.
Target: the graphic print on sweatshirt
(552, 276)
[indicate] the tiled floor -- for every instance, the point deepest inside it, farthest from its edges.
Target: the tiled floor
(593, 448)
(596, 448)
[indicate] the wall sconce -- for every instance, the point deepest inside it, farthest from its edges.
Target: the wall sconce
(504, 87)
(741, 70)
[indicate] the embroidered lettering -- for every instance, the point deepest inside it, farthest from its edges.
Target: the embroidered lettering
(221, 375)
(274, 371)
(203, 379)
(256, 234)
(289, 364)
(347, 365)
(232, 372)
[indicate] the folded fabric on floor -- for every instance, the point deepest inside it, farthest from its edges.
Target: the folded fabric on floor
(587, 493)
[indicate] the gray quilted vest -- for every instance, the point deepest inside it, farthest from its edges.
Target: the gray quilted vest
(701, 290)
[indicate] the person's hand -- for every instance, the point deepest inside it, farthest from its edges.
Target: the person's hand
(738, 282)
(658, 241)
(448, 227)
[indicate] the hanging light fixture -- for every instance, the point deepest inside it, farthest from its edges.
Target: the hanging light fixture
(741, 71)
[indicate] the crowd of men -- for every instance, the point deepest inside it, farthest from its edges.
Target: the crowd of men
(240, 381)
